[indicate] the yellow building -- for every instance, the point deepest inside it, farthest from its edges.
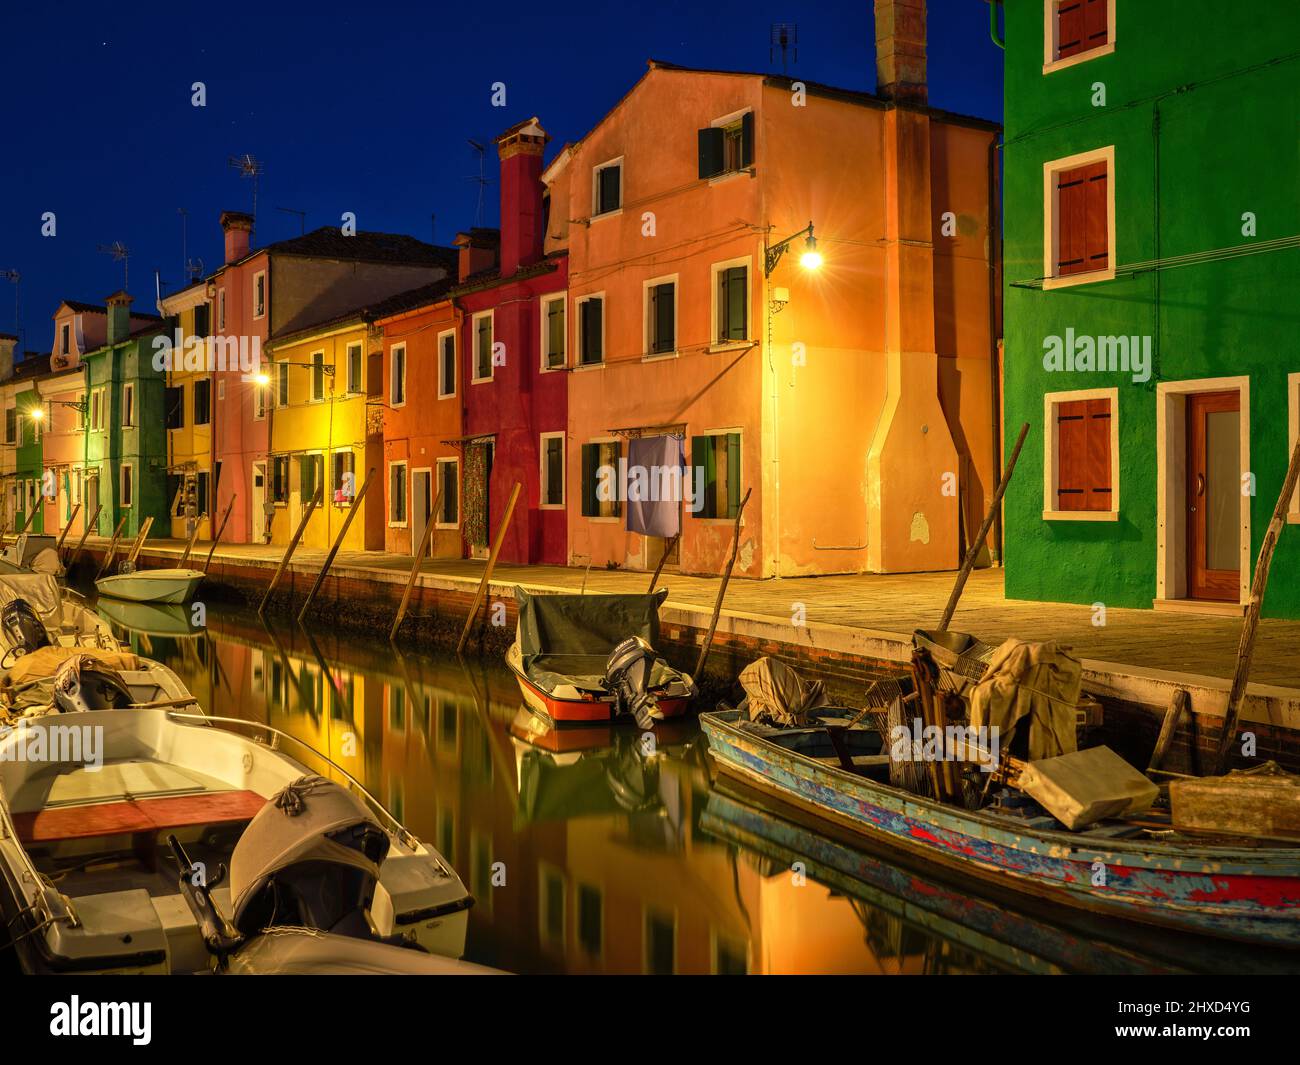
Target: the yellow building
(188, 405)
(321, 438)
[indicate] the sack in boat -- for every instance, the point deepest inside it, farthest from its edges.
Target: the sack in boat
(1035, 681)
(1262, 802)
(1084, 787)
(45, 662)
(778, 696)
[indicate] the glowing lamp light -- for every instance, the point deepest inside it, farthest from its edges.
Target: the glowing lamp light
(37, 414)
(811, 258)
(262, 380)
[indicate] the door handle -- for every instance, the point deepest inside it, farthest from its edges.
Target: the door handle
(1200, 485)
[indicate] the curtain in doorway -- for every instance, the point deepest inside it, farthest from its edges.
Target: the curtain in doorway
(648, 460)
(475, 491)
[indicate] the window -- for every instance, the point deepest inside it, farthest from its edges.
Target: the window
(660, 943)
(1080, 464)
(128, 484)
(715, 467)
(600, 481)
(63, 339)
(176, 494)
(201, 482)
(591, 920)
(1076, 30)
(550, 905)
(259, 294)
(552, 332)
(317, 376)
(397, 493)
(309, 477)
(281, 384)
(591, 330)
(354, 368)
(447, 364)
(661, 317)
(259, 400)
(221, 310)
(482, 327)
(84, 400)
(607, 187)
(343, 477)
(97, 410)
(1079, 214)
(280, 479)
(202, 401)
(173, 406)
(202, 319)
(727, 145)
(128, 405)
(449, 484)
(552, 494)
(397, 385)
(11, 424)
(732, 303)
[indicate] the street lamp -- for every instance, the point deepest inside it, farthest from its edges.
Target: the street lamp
(811, 259)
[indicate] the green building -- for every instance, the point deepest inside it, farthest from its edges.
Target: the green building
(1152, 294)
(125, 439)
(29, 451)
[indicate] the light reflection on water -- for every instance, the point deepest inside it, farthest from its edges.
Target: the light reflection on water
(590, 850)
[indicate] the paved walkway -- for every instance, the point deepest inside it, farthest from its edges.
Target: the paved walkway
(1206, 646)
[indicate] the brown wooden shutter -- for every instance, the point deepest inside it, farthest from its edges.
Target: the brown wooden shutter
(1083, 480)
(1083, 219)
(1081, 25)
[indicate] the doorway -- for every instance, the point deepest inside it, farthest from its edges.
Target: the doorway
(261, 519)
(92, 500)
(1213, 493)
(421, 505)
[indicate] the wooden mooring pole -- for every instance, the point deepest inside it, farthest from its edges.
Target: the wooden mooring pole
(189, 544)
(217, 539)
(112, 549)
(293, 545)
(668, 550)
(969, 563)
(64, 535)
(415, 565)
(1246, 645)
(338, 542)
(491, 564)
(92, 524)
(139, 538)
(722, 591)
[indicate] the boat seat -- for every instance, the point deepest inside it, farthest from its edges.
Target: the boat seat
(133, 816)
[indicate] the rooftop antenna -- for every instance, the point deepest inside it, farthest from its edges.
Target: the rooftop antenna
(250, 168)
(193, 269)
(481, 179)
(302, 218)
(785, 36)
(122, 254)
(15, 277)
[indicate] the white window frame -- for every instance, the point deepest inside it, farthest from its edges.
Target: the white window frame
(1051, 232)
(281, 373)
(595, 188)
(578, 364)
(1051, 455)
(1051, 63)
(259, 313)
(123, 502)
(438, 523)
(1293, 430)
(97, 419)
(388, 499)
(17, 423)
(128, 405)
(474, 378)
(260, 397)
(564, 471)
(455, 361)
(392, 374)
(348, 349)
(329, 473)
(221, 310)
(647, 324)
(747, 261)
(544, 334)
(311, 384)
(723, 123)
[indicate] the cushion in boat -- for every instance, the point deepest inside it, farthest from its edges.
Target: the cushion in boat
(136, 815)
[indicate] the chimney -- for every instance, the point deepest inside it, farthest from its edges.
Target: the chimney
(522, 227)
(478, 251)
(900, 50)
(7, 344)
(119, 316)
(238, 228)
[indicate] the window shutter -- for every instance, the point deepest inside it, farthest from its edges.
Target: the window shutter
(592, 350)
(733, 474)
(1097, 237)
(1070, 28)
(710, 146)
(706, 480)
(1071, 447)
(1095, 28)
(590, 461)
(609, 198)
(1082, 219)
(665, 338)
(1097, 460)
(734, 298)
(747, 139)
(555, 332)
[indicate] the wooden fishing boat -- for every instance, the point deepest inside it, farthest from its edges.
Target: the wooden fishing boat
(152, 585)
(1228, 888)
(562, 648)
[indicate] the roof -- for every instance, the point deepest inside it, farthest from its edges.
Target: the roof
(370, 312)
(98, 308)
(328, 242)
(8, 336)
(486, 279)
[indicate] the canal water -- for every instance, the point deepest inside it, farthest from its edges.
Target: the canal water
(598, 849)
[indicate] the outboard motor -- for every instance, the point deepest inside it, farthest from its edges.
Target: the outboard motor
(23, 630)
(84, 683)
(627, 678)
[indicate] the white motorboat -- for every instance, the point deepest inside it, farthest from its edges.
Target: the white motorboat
(33, 551)
(152, 585)
(35, 610)
(114, 848)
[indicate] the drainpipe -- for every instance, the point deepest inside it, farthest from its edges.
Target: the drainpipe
(993, 24)
(995, 302)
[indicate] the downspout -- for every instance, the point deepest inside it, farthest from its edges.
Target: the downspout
(993, 24)
(995, 305)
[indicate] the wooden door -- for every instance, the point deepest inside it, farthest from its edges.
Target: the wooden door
(1214, 496)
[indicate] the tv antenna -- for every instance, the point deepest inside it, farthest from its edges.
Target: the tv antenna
(15, 277)
(121, 254)
(302, 218)
(193, 269)
(249, 168)
(785, 36)
(481, 179)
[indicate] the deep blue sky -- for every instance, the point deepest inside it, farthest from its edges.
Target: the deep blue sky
(350, 107)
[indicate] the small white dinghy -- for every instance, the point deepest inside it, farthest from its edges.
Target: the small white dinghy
(36, 611)
(114, 846)
(152, 585)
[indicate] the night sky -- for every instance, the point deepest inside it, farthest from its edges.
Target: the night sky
(350, 107)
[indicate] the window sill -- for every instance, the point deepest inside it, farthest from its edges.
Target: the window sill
(603, 521)
(446, 526)
(727, 175)
(550, 506)
(1082, 57)
(1081, 515)
(1070, 280)
(607, 214)
(481, 380)
(730, 345)
(589, 366)
(446, 395)
(553, 369)
(660, 356)
(397, 524)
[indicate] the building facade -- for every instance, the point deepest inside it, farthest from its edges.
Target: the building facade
(1151, 171)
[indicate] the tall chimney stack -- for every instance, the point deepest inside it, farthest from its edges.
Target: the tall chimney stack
(238, 228)
(900, 50)
(522, 232)
(119, 316)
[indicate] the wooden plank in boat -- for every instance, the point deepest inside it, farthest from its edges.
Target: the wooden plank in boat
(1262, 803)
(136, 815)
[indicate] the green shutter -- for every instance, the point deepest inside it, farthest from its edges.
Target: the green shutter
(590, 461)
(665, 338)
(592, 350)
(733, 474)
(747, 139)
(702, 458)
(555, 332)
(618, 503)
(735, 310)
(711, 152)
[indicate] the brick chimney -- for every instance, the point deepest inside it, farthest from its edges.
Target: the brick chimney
(119, 316)
(238, 228)
(8, 341)
(900, 50)
(478, 251)
(522, 228)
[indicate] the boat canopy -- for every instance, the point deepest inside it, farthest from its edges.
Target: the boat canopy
(584, 624)
(40, 590)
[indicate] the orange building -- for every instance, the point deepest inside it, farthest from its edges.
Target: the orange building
(853, 401)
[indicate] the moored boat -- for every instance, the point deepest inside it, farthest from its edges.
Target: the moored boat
(170, 586)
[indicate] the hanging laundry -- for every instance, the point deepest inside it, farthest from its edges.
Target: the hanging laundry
(655, 469)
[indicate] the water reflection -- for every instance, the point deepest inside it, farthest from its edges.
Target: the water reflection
(593, 849)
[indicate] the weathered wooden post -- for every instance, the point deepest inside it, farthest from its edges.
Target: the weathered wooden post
(668, 550)
(145, 526)
(338, 542)
(64, 535)
(293, 544)
(189, 544)
(112, 549)
(220, 529)
(491, 564)
(92, 524)
(722, 591)
(415, 565)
